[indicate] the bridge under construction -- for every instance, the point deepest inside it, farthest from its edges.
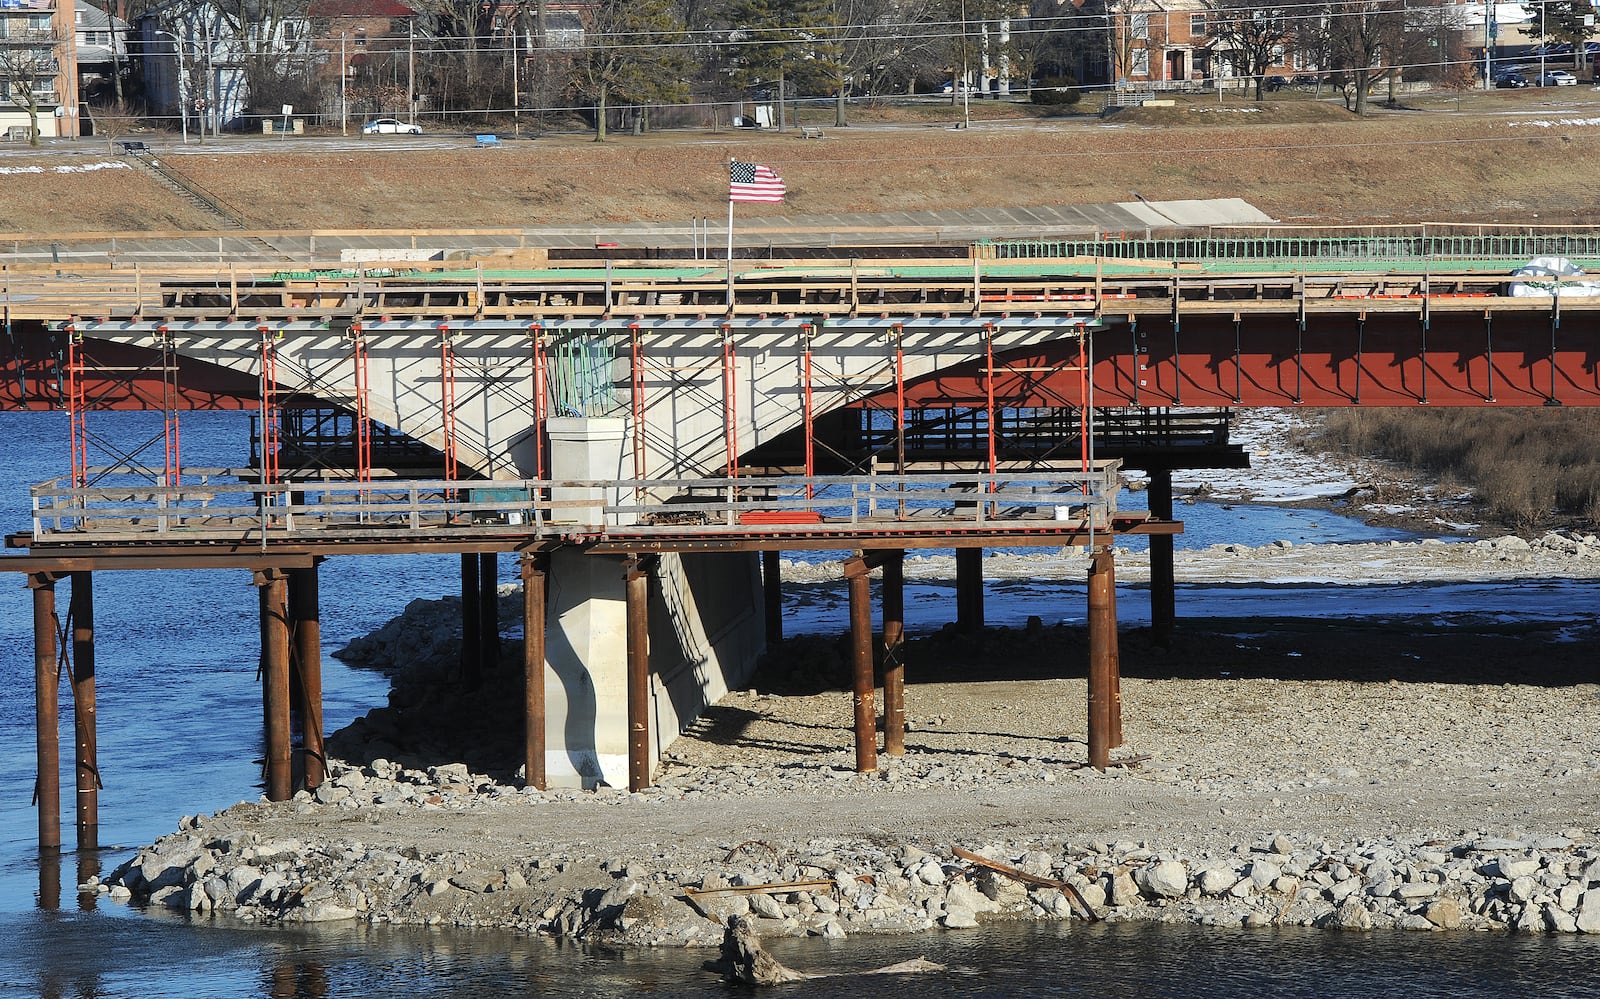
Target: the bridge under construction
(654, 433)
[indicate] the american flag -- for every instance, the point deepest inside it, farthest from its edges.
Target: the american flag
(753, 182)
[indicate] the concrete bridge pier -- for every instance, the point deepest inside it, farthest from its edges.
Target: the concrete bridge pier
(697, 622)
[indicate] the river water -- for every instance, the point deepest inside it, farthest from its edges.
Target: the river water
(179, 727)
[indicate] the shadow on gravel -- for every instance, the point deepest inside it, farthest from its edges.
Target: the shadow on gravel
(1429, 648)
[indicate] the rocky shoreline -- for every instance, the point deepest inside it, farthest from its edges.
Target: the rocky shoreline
(233, 866)
(1413, 774)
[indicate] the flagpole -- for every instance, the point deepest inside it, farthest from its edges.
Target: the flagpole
(730, 235)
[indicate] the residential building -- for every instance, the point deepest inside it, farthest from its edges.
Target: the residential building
(38, 86)
(198, 60)
(1168, 44)
(102, 52)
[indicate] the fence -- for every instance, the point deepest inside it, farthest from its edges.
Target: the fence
(216, 503)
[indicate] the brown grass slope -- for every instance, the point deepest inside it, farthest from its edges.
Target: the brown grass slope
(1310, 162)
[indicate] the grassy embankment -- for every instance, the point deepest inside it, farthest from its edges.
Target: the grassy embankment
(1530, 468)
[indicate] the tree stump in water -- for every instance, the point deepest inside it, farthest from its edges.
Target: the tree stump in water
(744, 961)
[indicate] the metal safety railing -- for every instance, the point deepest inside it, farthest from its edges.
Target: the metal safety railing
(214, 503)
(1333, 250)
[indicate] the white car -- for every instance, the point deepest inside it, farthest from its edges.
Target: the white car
(1557, 78)
(390, 126)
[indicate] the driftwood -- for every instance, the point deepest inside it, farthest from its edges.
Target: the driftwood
(1030, 879)
(743, 961)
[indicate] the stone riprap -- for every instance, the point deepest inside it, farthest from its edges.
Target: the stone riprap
(217, 867)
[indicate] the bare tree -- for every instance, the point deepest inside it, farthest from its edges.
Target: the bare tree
(1364, 37)
(1254, 34)
(28, 75)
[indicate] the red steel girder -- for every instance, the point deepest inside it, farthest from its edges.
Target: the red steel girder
(1461, 359)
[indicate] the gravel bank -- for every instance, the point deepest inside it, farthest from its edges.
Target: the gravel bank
(1395, 773)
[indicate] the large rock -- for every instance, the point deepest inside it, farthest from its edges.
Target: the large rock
(1351, 915)
(1445, 914)
(1168, 879)
(1589, 912)
(1123, 891)
(1263, 873)
(964, 896)
(1216, 880)
(1512, 868)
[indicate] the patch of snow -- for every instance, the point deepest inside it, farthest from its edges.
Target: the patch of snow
(75, 168)
(92, 167)
(1556, 122)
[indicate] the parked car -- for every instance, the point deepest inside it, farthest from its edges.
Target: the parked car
(1272, 84)
(1304, 80)
(390, 126)
(1510, 81)
(1557, 78)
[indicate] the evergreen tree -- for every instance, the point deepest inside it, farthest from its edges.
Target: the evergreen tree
(638, 54)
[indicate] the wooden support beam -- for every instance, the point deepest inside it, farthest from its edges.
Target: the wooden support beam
(87, 753)
(489, 610)
(46, 711)
(1103, 728)
(857, 574)
(636, 578)
(894, 674)
(772, 592)
(1163, 585)
(275, 681)
(306, 657)
(969, 589)
(534, 570)
(471, 654)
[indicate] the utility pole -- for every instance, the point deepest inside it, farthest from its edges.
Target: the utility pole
(1544, 43)
(210, 95)
(411, 70)
(344, 77)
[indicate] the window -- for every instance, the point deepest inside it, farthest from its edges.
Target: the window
(1140, 24)
(1197, 25)
(1141, 63)
(360, 38)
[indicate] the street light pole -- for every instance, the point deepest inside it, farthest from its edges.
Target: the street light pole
(344, 75)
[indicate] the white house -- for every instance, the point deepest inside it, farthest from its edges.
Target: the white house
(197, 58)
